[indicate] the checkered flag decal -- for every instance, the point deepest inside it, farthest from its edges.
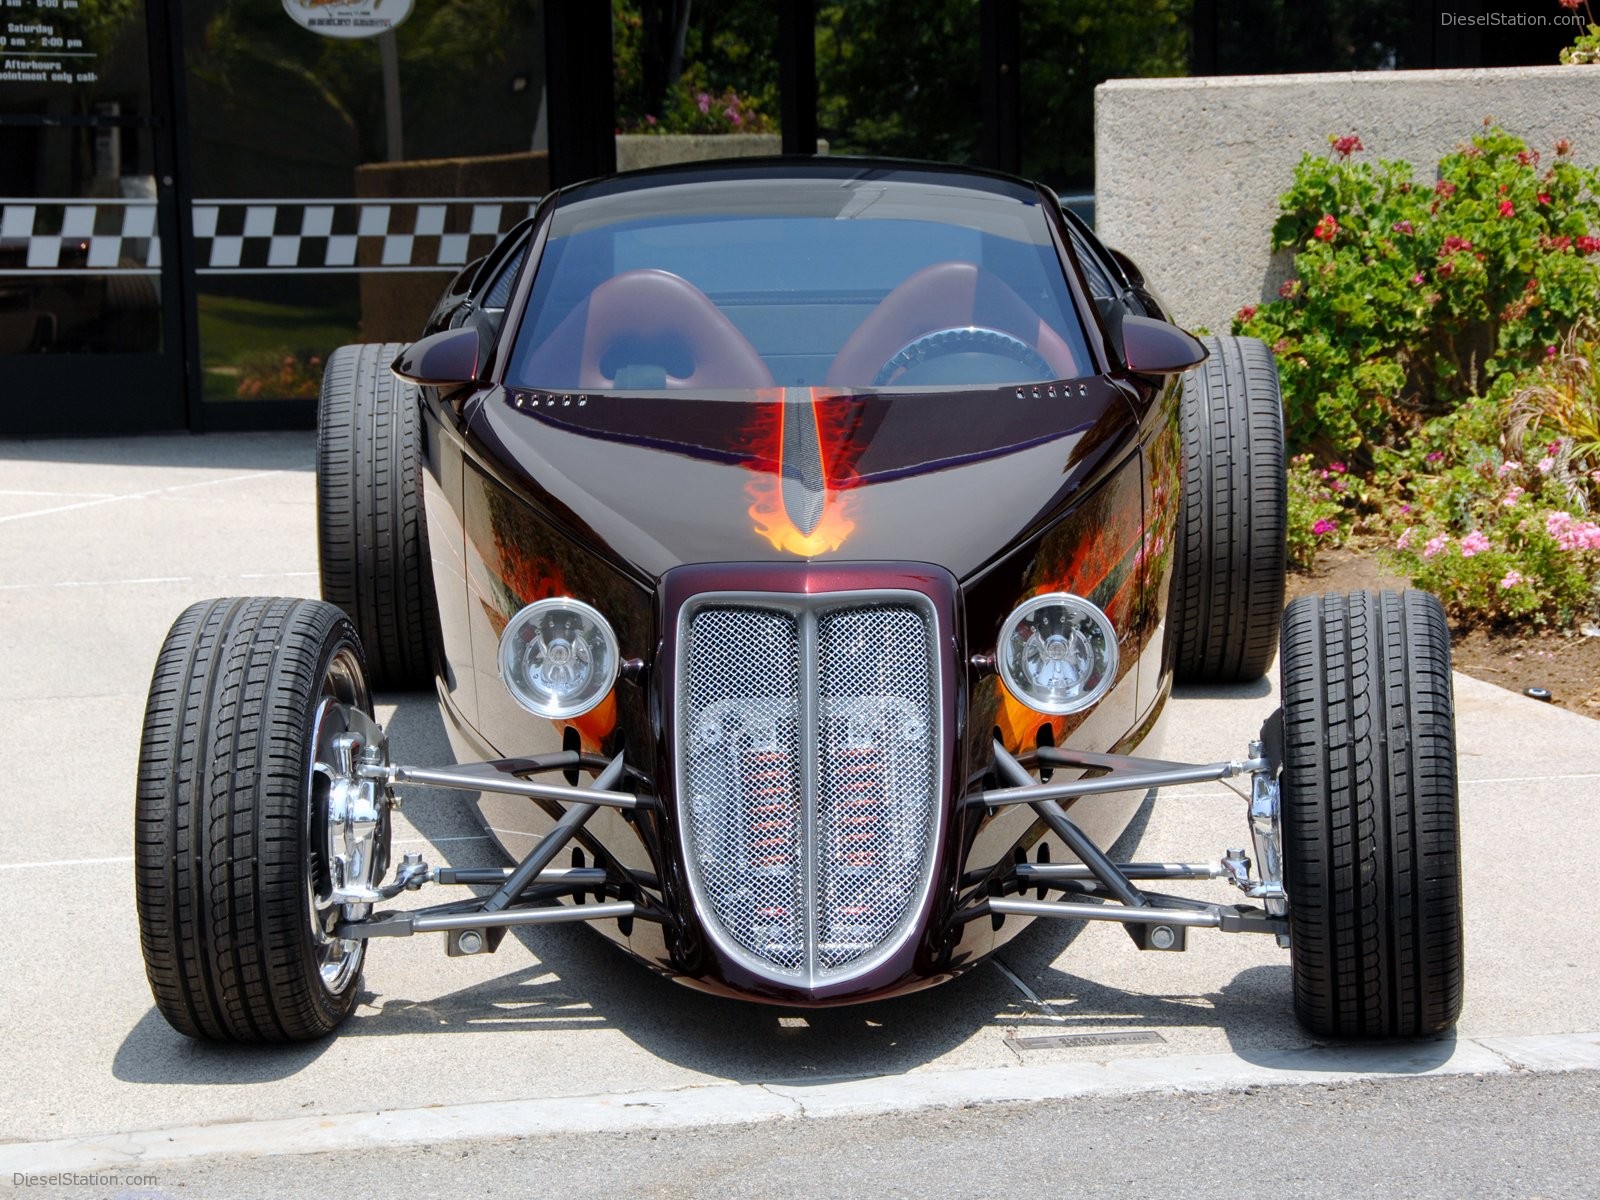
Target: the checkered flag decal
(102, 236)
(234, 237)
(359, 235)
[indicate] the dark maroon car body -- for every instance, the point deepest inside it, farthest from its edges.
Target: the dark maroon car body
(638, 500)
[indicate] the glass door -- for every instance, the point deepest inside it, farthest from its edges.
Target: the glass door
(91, 329)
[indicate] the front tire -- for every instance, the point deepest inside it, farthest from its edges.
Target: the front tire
(371, 533)
(1227, 590)
(1371, 855)
(227, 856)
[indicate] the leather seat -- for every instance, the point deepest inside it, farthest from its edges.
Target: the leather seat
(647, 329)
(947, 295)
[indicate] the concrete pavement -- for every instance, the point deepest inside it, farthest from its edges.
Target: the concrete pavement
(103, 543)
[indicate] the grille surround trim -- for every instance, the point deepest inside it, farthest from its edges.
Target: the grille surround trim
(808, 608)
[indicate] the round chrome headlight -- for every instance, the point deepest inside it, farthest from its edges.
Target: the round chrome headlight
(1057, 653)
(558, 658)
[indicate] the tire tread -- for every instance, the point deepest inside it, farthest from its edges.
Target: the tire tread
(1369, 797)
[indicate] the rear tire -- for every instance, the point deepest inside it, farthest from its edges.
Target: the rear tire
(1227, 590)
(372, 544)
(1371, 855)
(226, 853)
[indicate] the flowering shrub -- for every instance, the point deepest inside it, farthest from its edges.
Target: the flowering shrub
(1408, 298)
(695, 110)
(1492, 535)
(1585, 47)
(280, 377)
(1320, 509)
(1560, 401)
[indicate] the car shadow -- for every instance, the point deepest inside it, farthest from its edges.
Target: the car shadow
(259, 451)
(567, 978)
(153, 1052)
(1256, 689)
(581, 981)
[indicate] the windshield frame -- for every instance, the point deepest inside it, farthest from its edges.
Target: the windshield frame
(763, 187)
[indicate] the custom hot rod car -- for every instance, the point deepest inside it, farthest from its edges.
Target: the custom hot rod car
(801, 550)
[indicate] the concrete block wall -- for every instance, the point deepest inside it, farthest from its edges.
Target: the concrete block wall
(1188, 171)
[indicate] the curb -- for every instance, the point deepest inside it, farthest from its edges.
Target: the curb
(752, 1103)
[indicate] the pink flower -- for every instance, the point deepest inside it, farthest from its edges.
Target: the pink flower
(1324, 527)
(1512, 497)
(704, 101)
(1474, 543)
(1337, 468)
(1512, 578)
(1289, 288)
(1417, 279)
(1405, 508)
(1546, 465)
(1553, 447)
(1327, 228)
(1435, 546)
(1507, 209)
(733, 115)
(1346, 146)
(1434, 456)
(1549, 351)
(1510, 467)
(1404, 541)
(1402, 227)
(649, 118)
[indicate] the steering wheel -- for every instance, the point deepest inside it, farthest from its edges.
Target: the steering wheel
(967, 339)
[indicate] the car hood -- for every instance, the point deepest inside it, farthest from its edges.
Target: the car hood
(657, 480)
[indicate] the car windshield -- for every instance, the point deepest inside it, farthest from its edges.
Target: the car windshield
(846, 282)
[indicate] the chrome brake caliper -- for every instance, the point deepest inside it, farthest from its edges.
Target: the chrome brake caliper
(1266, 827)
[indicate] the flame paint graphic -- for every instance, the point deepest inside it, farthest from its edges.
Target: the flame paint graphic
(1099, 557)
(523, 580)
(835, 419)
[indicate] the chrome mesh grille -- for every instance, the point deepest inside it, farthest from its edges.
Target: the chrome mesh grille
(808, 762)
(739, 710)
(875, 775)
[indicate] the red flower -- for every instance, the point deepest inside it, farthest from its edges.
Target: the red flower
(1402, 227)
(1570, 5)
(1346, 146)
(1246, 313)
(1289, 288)
(1444, 188)
(1327, 229)
(1507, 209)
(1564, 145)
(1529, 158)
(1544, 197)
(1588, 245)
(1454, 245)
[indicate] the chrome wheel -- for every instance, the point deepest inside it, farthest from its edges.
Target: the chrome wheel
(347, 818)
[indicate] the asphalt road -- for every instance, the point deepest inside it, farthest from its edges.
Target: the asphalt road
(103, 543)
(1422, 1139)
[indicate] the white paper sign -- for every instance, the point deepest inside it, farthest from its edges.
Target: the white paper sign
(348, 18)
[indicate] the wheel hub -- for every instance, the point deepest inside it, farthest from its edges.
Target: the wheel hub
(347, 828)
